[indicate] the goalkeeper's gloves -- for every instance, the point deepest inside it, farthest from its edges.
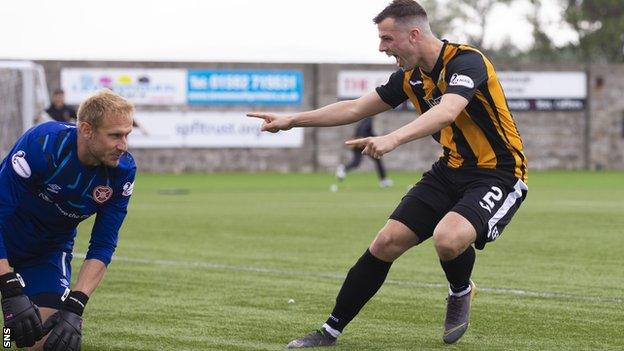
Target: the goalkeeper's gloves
(20, 314)
(65, 326)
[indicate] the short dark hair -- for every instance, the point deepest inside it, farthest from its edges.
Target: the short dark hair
(58, 92)
(401, 9)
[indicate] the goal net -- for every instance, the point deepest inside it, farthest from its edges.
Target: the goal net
(23, 99)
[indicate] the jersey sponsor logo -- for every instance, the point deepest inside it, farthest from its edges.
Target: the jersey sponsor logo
(102, 193)
(461, 80)
(128, 188)
(70, 214)
(20, 165)
(414, 83)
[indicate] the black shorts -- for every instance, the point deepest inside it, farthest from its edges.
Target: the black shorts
(487, 198)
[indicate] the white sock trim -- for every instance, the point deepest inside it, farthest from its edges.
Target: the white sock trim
(461, 293)
(333, 332)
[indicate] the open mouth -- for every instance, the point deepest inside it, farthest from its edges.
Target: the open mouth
(396, 57)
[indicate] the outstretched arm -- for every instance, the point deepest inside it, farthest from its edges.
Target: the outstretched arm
(428, 123)
(339, 113)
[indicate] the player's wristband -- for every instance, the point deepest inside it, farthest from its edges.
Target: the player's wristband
(11, 284)
(75, 302)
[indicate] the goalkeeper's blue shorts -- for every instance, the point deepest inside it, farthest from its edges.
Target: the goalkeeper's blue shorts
(47, 282)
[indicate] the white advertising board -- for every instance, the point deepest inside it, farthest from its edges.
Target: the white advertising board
(545, 91)
(208, 130)
(524, 90)
(353, 84)
(140, 86)
(544, 85)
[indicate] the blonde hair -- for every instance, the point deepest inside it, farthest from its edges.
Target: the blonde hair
(103, 103)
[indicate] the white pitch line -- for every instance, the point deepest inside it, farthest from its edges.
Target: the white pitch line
(220, 266)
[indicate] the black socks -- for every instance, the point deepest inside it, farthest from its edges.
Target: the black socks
(459, 269)
(368, 274)
(361, 283)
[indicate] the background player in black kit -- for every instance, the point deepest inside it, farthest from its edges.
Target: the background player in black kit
(364, 129)
(469, 195)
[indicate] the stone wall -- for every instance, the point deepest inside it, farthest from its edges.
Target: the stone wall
(553, 140)
(607, 117)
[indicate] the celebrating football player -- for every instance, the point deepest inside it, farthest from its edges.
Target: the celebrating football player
(469, 195)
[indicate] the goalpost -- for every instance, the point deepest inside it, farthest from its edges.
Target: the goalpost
(23, 99)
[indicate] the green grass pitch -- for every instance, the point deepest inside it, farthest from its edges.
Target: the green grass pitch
(213, 267)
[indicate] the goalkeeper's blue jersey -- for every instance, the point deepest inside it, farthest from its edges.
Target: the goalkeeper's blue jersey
(45, 192)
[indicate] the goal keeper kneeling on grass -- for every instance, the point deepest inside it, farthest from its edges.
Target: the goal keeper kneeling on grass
(469, 195)
(57, 175)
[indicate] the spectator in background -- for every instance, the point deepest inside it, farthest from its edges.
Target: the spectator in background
(139, 126)
(58, 110)
(364, 129)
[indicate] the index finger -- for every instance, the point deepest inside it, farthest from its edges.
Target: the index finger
(358, 142)
(263, 116)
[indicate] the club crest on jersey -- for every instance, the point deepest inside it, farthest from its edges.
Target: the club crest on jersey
(20, 165)
(102, 193)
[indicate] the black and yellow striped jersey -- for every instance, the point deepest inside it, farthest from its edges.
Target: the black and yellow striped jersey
(484, 134)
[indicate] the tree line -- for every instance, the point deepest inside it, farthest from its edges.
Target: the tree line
(598, 27)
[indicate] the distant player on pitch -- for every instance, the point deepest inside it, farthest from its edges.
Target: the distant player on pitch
(57, 175)
(469, 195)
(363, 129)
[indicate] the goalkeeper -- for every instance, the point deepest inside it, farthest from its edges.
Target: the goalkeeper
(55, 176)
